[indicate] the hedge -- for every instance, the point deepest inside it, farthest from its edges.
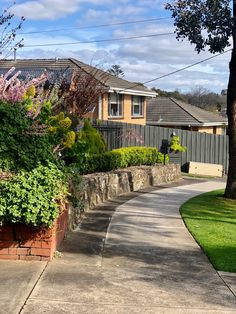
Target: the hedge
(122, 158)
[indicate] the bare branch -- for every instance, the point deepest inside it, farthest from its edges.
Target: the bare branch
(82, 95)
(8, 32)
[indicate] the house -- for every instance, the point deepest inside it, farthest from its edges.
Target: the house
(173, 113)
(123, 101)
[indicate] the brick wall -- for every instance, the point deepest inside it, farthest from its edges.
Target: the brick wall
(21, 242)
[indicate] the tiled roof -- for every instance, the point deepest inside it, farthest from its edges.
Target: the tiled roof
(170, 111)
(34, 67)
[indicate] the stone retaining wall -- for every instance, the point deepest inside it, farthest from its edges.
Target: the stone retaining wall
(99, 187)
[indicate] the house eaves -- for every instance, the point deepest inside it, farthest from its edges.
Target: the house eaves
(133, 92)
(160, 123)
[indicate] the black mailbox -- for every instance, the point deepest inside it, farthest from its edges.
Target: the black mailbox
(164, 147)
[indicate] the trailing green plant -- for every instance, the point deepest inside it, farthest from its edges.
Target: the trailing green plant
(34, 197)
(122, 158)
(175, 145)
(75, 186)
(21, 147)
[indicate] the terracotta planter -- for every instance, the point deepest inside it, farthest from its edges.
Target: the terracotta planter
(22, 242)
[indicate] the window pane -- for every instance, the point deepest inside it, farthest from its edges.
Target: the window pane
(114, 110)
(136, 110)
(137, 106)
(113, 98)
(136, 100)
(115, 106)
(120, 108)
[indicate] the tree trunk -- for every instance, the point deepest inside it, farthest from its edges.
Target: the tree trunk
(230, 191)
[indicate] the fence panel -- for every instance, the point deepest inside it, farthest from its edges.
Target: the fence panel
(201, 147)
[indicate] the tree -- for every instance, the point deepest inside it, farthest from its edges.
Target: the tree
(211, 24)
(174, 94)
(8, 32)
(81, 96)
(116, 71)
(203, 98)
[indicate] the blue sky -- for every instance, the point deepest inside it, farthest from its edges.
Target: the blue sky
(141, 59)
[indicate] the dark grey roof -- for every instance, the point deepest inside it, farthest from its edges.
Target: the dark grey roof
(34, 67)
(170, 111)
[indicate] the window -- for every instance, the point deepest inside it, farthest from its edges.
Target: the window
(137, 106)
(115, 106)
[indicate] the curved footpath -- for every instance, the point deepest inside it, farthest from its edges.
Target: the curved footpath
(147, 263)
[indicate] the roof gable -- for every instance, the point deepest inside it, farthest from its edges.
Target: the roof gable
(164, 111)
(68, 66)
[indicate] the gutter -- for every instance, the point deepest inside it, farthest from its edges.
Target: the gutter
(133, 92)
(186, 124)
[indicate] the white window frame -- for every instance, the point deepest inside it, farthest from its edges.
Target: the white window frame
(137, 101)
(115, 99)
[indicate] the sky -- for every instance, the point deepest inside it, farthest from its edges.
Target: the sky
(141, 59)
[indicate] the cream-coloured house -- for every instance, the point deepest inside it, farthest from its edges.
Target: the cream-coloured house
(123, 101)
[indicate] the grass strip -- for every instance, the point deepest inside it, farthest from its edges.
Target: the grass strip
(211, 219)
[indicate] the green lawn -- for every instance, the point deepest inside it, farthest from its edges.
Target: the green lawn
(211, 219)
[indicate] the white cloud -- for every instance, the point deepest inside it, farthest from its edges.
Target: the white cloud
(141, 59)
(46, 9)
(50, 9)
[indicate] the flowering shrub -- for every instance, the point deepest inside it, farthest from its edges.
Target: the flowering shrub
(36, 188)
(13, 90)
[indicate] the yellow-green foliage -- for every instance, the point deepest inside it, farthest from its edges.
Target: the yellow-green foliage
(95, 141)
(31, 91)
(175, 144)
(69, 139)
(60, 128)
(65, 123)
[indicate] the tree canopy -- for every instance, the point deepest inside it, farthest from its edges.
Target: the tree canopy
(116, 70)
(211, 24)
(205, 23)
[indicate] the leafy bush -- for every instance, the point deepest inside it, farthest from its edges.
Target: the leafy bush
(88, 142)
(175, 145)
(33, 197)
(122, 158)
(18, 148)
(60, 130)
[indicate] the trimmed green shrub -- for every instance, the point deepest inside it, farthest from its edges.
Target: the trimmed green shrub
(88, 142)
(33, 197)
(122, 158)
(18, 149)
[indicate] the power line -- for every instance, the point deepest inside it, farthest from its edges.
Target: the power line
(97, 41)
(95, 26)
(177, 71)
